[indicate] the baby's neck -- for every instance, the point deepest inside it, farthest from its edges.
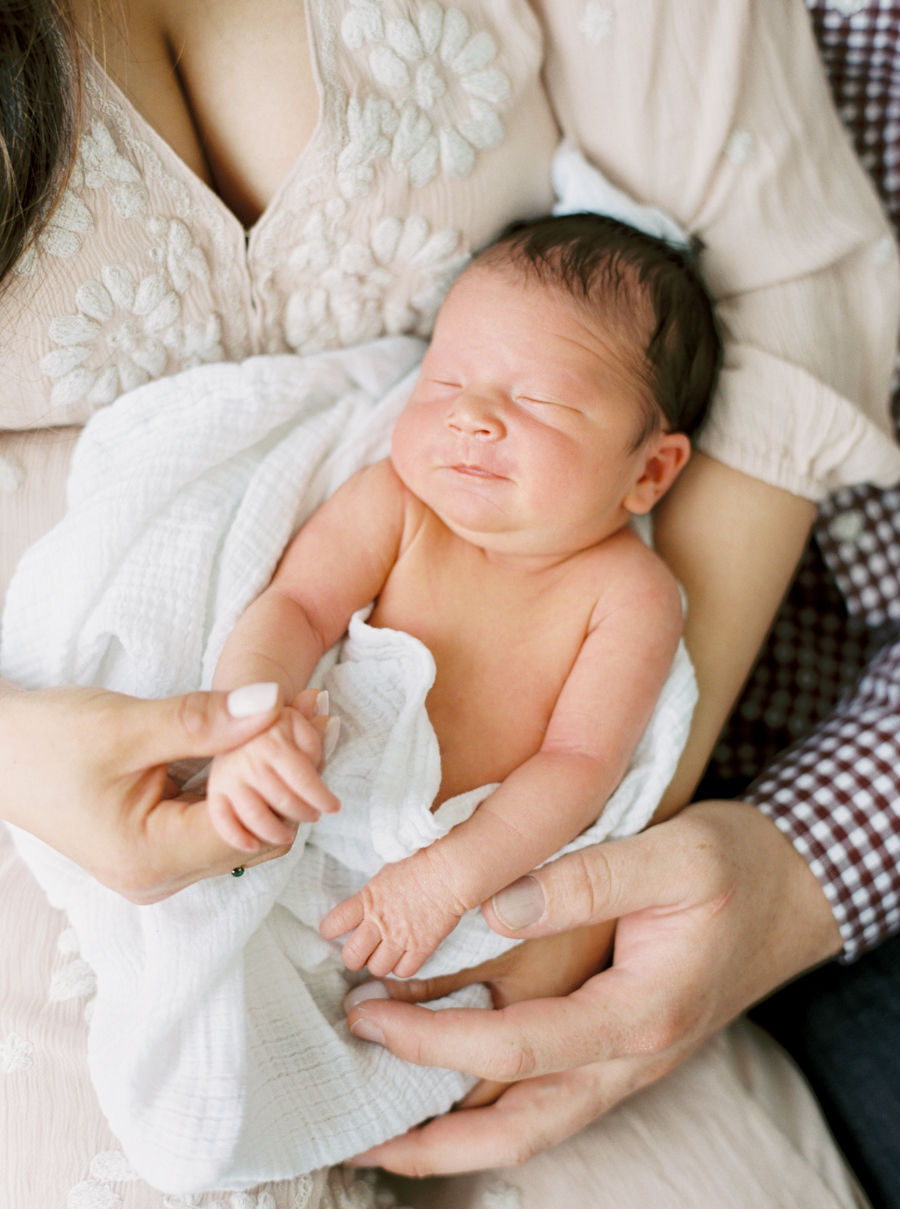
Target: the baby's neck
(520, 553)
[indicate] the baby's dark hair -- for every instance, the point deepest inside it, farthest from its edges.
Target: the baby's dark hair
(648, 291)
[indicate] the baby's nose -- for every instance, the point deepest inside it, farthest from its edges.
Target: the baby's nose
(473, 415)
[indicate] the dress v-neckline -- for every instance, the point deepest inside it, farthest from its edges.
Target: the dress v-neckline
(181, 169)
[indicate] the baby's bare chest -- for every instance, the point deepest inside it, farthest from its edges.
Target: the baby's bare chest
(503, 647)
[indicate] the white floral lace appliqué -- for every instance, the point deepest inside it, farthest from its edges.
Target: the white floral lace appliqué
(64, 231)
(74, 980)
(12, 474)
(445, 94)
(16, 1054)
(499, 1195)
(127, 324)
(740, 146)
(597, 22)
(352, 295)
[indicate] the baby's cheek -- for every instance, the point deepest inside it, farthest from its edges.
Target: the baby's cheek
(400, 441)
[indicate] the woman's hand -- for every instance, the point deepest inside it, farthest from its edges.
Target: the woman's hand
(86, 771)
(715, 910)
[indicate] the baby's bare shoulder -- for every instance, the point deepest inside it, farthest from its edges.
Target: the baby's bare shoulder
(377, 487)
(628, 574)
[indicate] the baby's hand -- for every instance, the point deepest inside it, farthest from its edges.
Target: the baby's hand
(264, 789)
(400, 917)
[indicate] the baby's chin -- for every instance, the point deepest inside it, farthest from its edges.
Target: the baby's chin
(531, 547)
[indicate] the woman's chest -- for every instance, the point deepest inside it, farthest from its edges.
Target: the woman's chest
(209, 77)
(430, 132)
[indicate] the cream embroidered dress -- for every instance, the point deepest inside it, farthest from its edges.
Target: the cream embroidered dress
(437, 124)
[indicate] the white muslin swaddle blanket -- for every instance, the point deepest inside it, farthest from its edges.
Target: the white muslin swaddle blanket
(218, 1045)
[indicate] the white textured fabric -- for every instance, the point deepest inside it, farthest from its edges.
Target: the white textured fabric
(581, 187)
(218, 1047)
(206, 474)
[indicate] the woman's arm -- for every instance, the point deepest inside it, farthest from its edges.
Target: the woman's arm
(734, 543)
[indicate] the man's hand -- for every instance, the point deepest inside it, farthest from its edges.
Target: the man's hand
(715, 910)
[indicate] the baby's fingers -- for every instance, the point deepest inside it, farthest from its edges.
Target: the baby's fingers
(254, 814)
(311, 703)
(314, 734)
(281, 798)
(343, 918)
(367, 947)
(227, 824)
(301, 778)
(384, 959)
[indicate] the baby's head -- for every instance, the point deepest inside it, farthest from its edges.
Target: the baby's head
(569, 365)
(648, 296)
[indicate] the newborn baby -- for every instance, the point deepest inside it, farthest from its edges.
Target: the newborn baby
(569, 363)
(508, 662)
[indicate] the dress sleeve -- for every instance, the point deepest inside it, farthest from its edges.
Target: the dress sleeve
(720, 113)
(836, 796)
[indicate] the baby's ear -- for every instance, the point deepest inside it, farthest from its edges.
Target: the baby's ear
(664, 456)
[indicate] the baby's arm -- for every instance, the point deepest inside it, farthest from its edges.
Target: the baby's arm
(335, 565)
(404, 912)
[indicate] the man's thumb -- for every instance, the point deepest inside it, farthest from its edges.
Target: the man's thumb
(597, 883)
(202, 723)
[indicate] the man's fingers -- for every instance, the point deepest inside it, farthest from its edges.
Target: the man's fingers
(194, 724)
(601, 1021)
(526, 1119)
(603, 882)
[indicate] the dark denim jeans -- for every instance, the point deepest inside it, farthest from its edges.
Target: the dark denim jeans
(841, 1024)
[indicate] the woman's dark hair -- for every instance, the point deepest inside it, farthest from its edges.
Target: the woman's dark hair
(646, 289)
(39, 73)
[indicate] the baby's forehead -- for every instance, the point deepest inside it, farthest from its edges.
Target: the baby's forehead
(617, 300)
(573, 344)
(618, 322)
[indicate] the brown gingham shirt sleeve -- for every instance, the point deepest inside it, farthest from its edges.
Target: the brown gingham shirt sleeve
(836, 792)
(836, 796)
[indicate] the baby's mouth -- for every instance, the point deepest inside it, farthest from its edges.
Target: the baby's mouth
(480, 472)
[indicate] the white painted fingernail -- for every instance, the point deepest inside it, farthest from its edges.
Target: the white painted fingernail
(252, 699)
(323, 704)
(365, 990)
(332, 734)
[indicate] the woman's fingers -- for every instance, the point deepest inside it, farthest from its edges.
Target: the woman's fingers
(194, 724)
(91, 768)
